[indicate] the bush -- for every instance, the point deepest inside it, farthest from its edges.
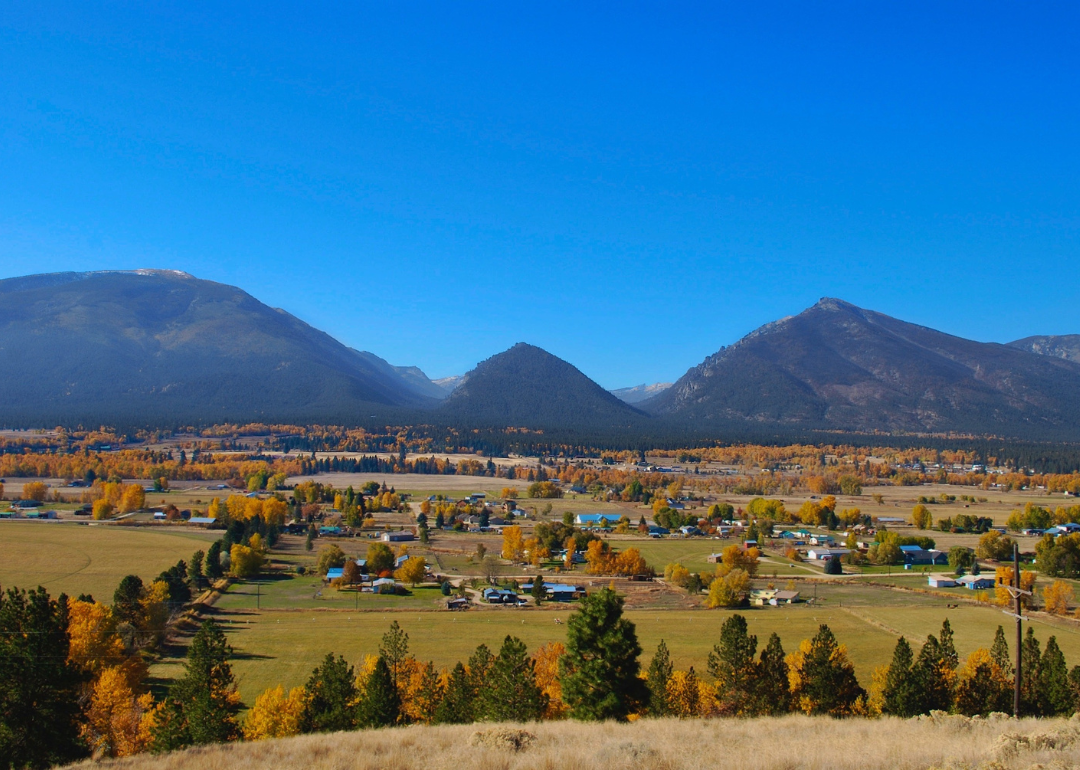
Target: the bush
(833, 566)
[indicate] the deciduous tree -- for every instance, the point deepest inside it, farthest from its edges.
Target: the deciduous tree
(276, 714)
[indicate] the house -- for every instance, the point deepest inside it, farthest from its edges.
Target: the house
(601, 520)
(41, 515)
(941, 581)
(559, 592)
(400, 560)
(1064, 529)
(335, 573)
(457, 603)
(500, 596)
(915, 555)
(715, 558)
(160, 516)
(384, 586)
(976, 582)
(826, 540)
(784, 597)
(655, 531)
(675, 505)
(329, 531)
(397, 537)
(690, 531)
(204, 520)
(823, 554)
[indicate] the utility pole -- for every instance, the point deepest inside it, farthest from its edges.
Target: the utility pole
(1017, 592)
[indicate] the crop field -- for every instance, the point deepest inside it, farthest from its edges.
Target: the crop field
(74, 559)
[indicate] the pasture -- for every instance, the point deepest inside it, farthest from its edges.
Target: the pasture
(77, 559)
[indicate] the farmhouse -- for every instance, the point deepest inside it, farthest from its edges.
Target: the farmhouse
(941, 581)
(601, 520)
(560, 592)
(916, 555)
(773, 597)
(976, 582)
(397, 537)
(823, 554)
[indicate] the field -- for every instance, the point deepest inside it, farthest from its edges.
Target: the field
(783, 743)
(74, 559)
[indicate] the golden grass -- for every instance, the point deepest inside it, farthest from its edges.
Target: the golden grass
(790, 742)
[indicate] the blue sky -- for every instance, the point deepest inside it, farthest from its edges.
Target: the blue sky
(629, 186)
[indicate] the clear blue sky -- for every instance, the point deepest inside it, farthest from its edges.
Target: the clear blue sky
(630, 186)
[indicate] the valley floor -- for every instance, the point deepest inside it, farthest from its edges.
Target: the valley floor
(791, 742)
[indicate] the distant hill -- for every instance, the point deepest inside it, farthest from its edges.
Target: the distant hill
(528, 387)
(836, 366)
(639, 393)
(164, 347)
(449, 384)
(1065, 346)
(412, 377)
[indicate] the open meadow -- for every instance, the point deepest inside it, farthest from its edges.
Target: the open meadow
(778, 743)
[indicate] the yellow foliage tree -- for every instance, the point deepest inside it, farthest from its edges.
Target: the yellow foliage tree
(1003, 577)
(546, 668)
(1057, 596)
(102, 510)
(684, 694)
(35, 490)
(94, 644)
(236, 506)
(216, 509)
(921, 517)
(117, 723)
(412, 571)
(133, 498)
(512, 543)
(276, 714)
(728, 591)
(244, 561)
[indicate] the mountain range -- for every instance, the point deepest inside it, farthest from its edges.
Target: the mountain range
(164, 348)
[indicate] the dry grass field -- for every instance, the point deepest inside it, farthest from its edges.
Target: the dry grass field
(785, 743)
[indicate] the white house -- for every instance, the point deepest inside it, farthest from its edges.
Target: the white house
(941, 581)
(822, 554)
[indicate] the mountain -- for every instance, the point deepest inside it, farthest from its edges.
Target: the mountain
(411, 377)
(162, 346)
(639, 393)
(1065, 346)
(526, 386)
(836, 366)
(449, 384)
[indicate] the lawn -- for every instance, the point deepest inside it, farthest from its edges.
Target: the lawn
(75, 559)
(289, 591)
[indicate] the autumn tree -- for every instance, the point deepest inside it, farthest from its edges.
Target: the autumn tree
(546, 668)
(729, 590)
(412, 571)
(330, 698)
(330, 557)
(983, 686)
(456, 706)
(822, 677)
(513, 546)
(921, 517)
(599, 671)
(422, 694)
(118, 720)
(102, 510)
(35, 490)
(276, 714)
(201, 706)
(684, 694)
(1057, 597)
(244, 561)
(380, 559)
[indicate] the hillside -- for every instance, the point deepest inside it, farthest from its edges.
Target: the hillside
(164, 347)
(790, 743)
(639, 393)
(1065, 346)
(528, 387)
(836, 366)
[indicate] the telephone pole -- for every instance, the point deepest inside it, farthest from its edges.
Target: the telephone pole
(1017, 592)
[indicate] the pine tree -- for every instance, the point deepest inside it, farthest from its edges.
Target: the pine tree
(732, 665)
(771, 693)
(128, 600)
(823, 678)
(660, 671)
(900, 695)
(456, 706)
(538, 591)
(999, 652)
(479, 666)
(511, 693)
(933, 678)
(948, 647)
(1054, 691)
(426, 695)
(332, 694)
(599, 671)
(40, 707)
(380, 705)
(212, 563)
(195, 571)
(201, 706)
(394, 649)
(984, 690)
(1030, 655)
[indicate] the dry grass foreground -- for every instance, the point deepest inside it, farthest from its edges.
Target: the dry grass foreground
(790, 742)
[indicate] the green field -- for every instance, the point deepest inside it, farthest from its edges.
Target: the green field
(74, 559)
(281, 647)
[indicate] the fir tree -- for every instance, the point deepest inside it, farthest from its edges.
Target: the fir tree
(195, 571)
(900, 695)
(212, 563)
(986, 690)
(394, 649)
(539, 593)
(599, 672)
(456, 706)
(331, 697)
(201, 706)
(1030, 655)
(128, 601)
(932, 678)
(732, 665)
(511, 693)
(428, 695)
(480, 663)
(771, 693)
(40, 707)
(947, 646)
(826, 682)
(380, 705)
(1055, 693)
(660, 671)
(999, 652)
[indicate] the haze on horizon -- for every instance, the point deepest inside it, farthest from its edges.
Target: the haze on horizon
(629, 189)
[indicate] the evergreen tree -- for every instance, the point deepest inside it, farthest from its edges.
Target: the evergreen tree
(933, 678)
(127, 600)
(1030, 655)
(947, 646)
(480, 663)
(825, 678)
(599, 672)
(511, 693)
(40, 709)
(660, 671)
(212, 564)
(380, 705)
(772, 694)
(732, 665)
(900, 695)
(985, 690)
(538, 591)
(1055, 693)
(394, 650)
(1074, 686)
(456, 706)
(999, 652)
(201, 706)
(331, 697)
(195, 571)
